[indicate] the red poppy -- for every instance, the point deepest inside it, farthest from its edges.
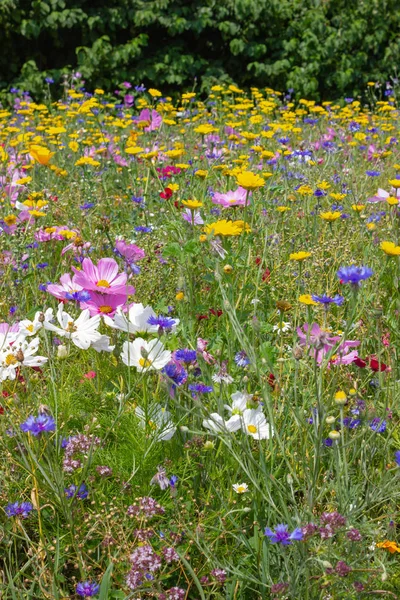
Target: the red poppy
(1, 410)
(216, 313)
(271, 380)
(201, 317)
(166, 194)
(360, 362)
(266, 275)
(375, 365)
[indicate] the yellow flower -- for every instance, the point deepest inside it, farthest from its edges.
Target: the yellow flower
(225, 227)
(180, 296)
(173, 186)
(249, 180)
(133, 150)
(41, 154)
(201, 173)
(74, 146)
(87, 160)
(307, 299)
(358, 207)
(24, 180)
(392, 547)
(10, 220)
(390, 249)
(192, 203)
(392, 201)
(205, 129)
(304, 190)
(395, 183)
(340, 397)
(299, 255)
(155, 93)
(282, 209)
(330, 216)
(99, 91)
(336, 196)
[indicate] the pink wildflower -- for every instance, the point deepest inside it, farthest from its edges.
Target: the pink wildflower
(231, 198)
(103, 277)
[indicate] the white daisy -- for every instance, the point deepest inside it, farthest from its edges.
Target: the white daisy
(240, 488)
(145, 356)
(254, 423)
(28, 328)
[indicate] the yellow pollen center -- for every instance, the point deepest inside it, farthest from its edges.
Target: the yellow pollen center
(241, 489)
(251, 428)
(10, 360)
(30, 328)
(103, 283)
(145, 362)
(106, 309)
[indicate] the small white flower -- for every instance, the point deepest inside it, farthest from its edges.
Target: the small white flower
(28, 328)
(255, 424)
(240, 488)
(145, 356)
(283, 327)
(157, 419)
(82, 332)
(20, 353)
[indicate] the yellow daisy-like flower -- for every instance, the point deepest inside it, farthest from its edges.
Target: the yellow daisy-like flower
(395, 183)
(330, 216)
(390, 249)
(87, 160)
(155, 93)
(307, 299)
(202, 173)
(358, 207)
(225, 227)
(340, 397)
(249, 180)
(299, 256)
(41, 154)
(192, 203)
(392, 201)
(10, 220)
(392, 547)
(282, 209)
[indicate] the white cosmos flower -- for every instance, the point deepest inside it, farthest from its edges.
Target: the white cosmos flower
(240, 488)
(19, 353)
(145, 356)
(28, 328)
(135, 321)
(158, 419)
(82, 332)
(217, 424)
(254, 423)
(102, 344)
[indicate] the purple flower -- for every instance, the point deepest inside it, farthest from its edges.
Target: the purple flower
(378, 425)
(354, 535)
(87, 589)
(342, 569)
(81, 493)
(354, 275)
(162, 323)
(397, 457)
(175, 372)
(321, 343)
(186, 356)
(200, 388)
(194, 218)
(37, 425)
(282, 536)
(326, 300)
(16, 509)
(241, 359)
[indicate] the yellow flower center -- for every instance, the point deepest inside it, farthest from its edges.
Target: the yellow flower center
(241, 489)
(251, 428)
(145, 362)
(106, 309)
(30, 327)
(103, 283)
(10, 360)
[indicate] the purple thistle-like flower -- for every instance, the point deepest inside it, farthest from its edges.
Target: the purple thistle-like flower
(354, 275)
(37, 425)
(87, 589)
(15, 509)
(281, 535)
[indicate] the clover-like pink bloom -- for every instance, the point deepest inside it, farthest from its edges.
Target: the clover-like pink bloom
(153, 118)
(320, 343)
(103, 277)
(231, 198)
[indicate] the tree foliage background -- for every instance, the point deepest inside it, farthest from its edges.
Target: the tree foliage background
(321, 48)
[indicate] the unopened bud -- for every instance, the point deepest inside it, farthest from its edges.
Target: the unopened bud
(62, 351)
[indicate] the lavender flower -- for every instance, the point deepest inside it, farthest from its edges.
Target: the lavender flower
(16, 509)
(87, 589)
(282, 536)
(354, 275)
(37, 425)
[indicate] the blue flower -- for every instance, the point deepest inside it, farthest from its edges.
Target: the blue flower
(80, 296)
(143, 229)
(175, 372)
(81, 493)
(37, 425)
(397, 457)
(16, 509)
(200, 388)
(162, 322)
(354, 275)
(378, 425)
(241, 359)
(373, 173)
(282, 536)
(87, 589)
(86, 205)
(185, 355)
(326, 300)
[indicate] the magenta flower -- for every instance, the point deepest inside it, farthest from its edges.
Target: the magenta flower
(104, 304)
(153, 118)
(194, 219)
(103, 277)
(320, 343)
(67, 286)
(231, 198)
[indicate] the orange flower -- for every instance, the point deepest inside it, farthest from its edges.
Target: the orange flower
(392, 547)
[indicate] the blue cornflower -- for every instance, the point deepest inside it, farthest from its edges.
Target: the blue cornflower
(143, 229)
(185, 355)
(162, 322)
(397, 457)
(200, 388)
(319, 193)
(15, 509)
(175, 372)
(37, 425)
(241, 359)
(349, 100)
(353, 126)
(354, 275)
(373, 173)
(81, 493)
(282, 536)
(42, 265)
(13, 310)
(80, 296)
(326, 300)
(140, 88)
(49, 80)
(378, 425)
(328, 442)
(173, 480)
(137, 199)
(86, 205)
(87, 589)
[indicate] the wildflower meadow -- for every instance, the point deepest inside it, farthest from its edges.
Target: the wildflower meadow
(199, 345)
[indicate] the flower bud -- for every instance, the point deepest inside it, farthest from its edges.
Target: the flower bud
(340, 397)
(62, 351)
(334, 435)
(330, 420)
(228, 269)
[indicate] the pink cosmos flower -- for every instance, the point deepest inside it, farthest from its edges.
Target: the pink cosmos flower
(130, 252)
(103, 277)
(320, 343)
(383, 194)
(153, 118)
(193, 219)
(231, 198)
(66, 286)
(104, 304)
